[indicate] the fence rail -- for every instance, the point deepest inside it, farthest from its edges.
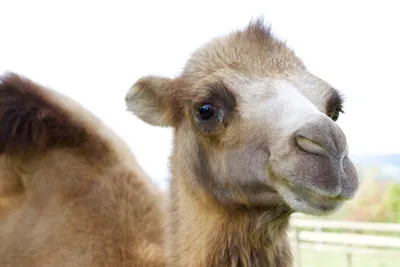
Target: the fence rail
(350, 238)
(358, 226)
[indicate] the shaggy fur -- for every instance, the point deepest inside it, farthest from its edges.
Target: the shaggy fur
(71, 192)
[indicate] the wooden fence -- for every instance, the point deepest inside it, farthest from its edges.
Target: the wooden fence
(344, 236)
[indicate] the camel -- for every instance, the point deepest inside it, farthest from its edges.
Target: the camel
(255, 140)
(71, 191)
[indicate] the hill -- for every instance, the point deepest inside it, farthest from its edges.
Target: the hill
(387, 167)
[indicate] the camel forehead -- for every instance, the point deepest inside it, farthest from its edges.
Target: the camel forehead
(251, 62)
(253, 51)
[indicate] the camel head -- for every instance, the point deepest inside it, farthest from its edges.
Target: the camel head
(253, 127)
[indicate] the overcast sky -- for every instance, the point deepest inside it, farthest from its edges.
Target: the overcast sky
(94, 51)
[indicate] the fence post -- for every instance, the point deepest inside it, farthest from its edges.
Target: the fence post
(318, 243)
(296, 258)
(349, 261)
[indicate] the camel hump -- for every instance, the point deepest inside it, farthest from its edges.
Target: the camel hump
(32, 120)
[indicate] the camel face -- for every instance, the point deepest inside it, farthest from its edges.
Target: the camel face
(254, 127)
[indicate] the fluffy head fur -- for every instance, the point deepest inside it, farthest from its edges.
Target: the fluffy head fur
(71, 192)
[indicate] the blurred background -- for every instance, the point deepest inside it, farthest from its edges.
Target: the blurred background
(93, 51)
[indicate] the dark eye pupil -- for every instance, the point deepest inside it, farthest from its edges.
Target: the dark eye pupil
(206, 111)
(335, 116)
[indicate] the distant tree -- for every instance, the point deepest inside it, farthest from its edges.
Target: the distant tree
(370, 203)
(393, 202)
(376, 201)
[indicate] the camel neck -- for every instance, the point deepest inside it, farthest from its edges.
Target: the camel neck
(204, 234)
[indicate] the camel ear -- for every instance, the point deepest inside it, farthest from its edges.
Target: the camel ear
(149, 100)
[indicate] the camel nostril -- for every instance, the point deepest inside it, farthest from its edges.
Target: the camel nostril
(321, 136)
(311, 146)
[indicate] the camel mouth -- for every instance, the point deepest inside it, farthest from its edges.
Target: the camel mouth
(306, 200)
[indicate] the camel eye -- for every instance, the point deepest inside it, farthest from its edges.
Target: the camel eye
(335, 115)
(206, 111)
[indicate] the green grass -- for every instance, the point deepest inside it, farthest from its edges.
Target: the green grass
(311, 258)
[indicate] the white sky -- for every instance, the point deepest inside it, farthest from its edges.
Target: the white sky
(94, 51)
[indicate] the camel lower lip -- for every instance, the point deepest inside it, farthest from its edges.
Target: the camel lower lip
(312, 196)
(306, 200)
(309, 203)
(300, 190)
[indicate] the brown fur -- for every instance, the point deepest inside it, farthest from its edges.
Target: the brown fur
(238, 176)
(71, 192)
